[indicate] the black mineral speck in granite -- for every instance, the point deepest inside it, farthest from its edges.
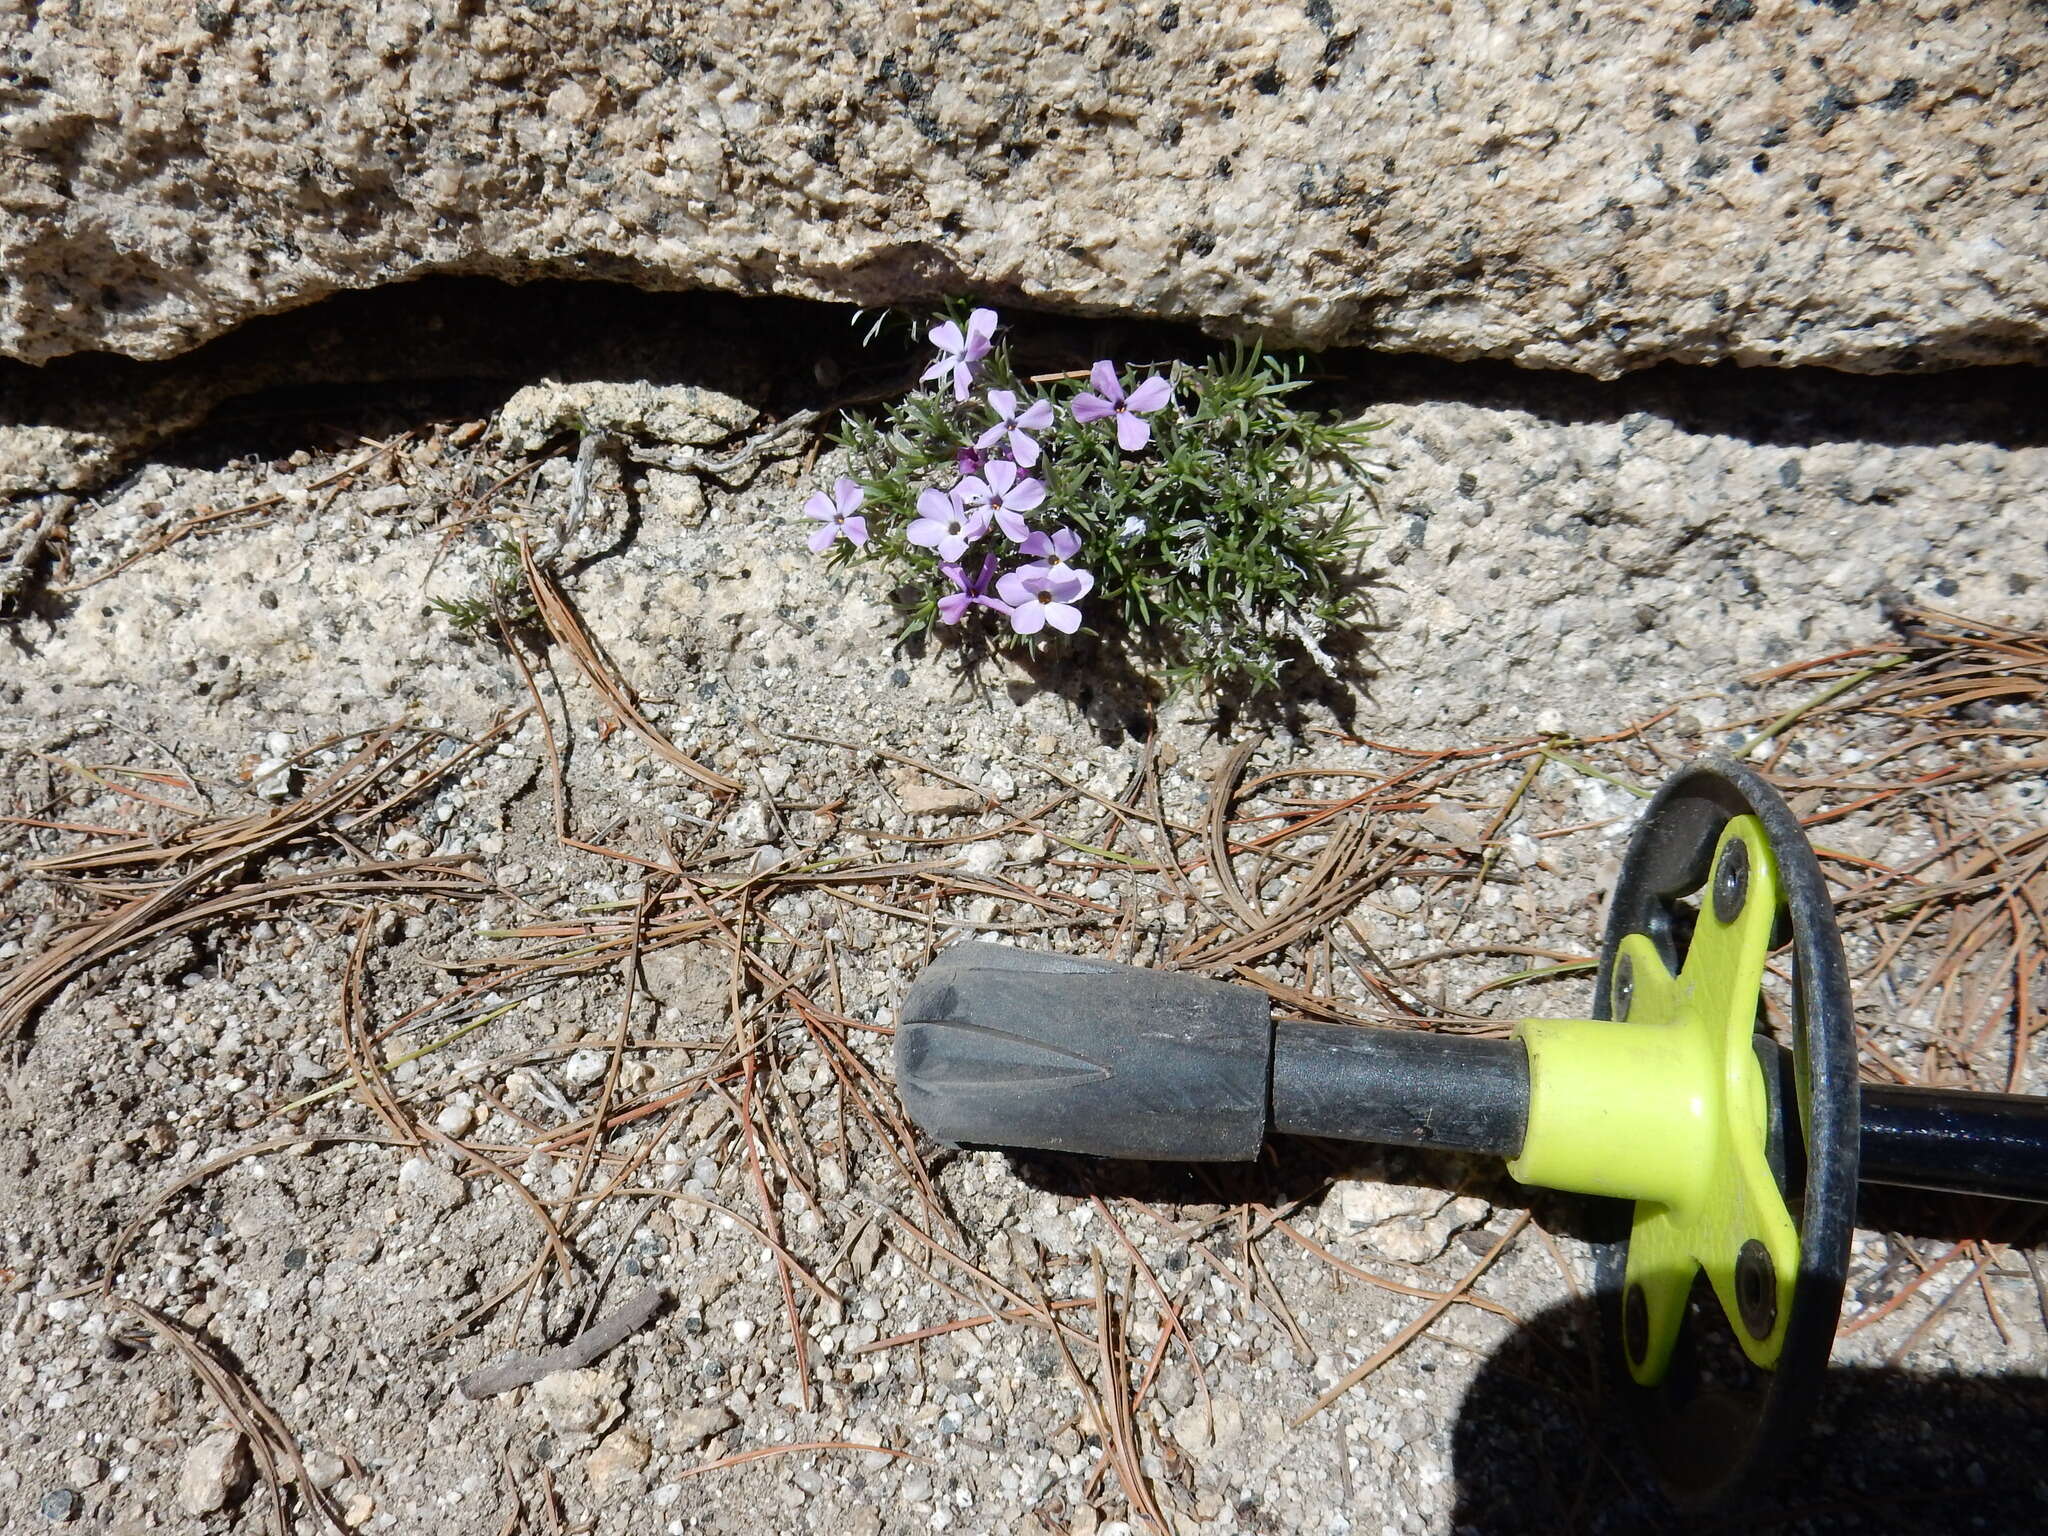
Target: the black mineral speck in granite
(899, 678)
(1267, 82)
(1901, 94)
(1832, 105)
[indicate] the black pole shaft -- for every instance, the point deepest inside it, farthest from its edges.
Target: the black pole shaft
(1408, 1088)
(1958, 1142)
(1455, 1093)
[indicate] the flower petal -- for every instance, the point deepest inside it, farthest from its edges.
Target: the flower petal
(971, 492)
(927, 531)
(1060, 616)
(1023, 449)
(1002, 474)
(820, 507)
(848, 494)
(1107, 384)
(947, 338)
(857, 531)
(1025, 495)
(1004, 404)
(1028, 618)
(953, 607)
(1014, 588)
(936, 505)
(1131, 432)
(1015, 529)
(981, 325)
(1150, 395)
(963, 380)
(951, 546)
(1078, 584)
(1038, 417)
(1037, 544)
(1087, 408)
(821, 538)
(1066, 544)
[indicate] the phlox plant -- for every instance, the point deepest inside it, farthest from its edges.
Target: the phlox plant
(1193, 509)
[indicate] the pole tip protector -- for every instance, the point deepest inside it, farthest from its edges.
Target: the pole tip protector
(1005, 1048)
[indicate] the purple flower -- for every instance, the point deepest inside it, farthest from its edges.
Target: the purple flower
(945, 525)
(1004, 496)
(972, 593)
(1016, 426)
(837, 516)
(1108, 399)
(969, 462)
(1036, 598)
(960, 353)
(1061, 546)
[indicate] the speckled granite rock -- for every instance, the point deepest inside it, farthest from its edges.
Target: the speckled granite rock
(1595, 188)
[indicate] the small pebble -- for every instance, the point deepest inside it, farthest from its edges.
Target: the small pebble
(619, 1456)
(982, 858)
(455, 1120)
(215, 1473)
(693, 1426)
(60, 1504)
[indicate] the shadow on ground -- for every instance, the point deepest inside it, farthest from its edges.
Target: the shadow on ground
(1543, 1441)
(1539, 1449)
(373, 363)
